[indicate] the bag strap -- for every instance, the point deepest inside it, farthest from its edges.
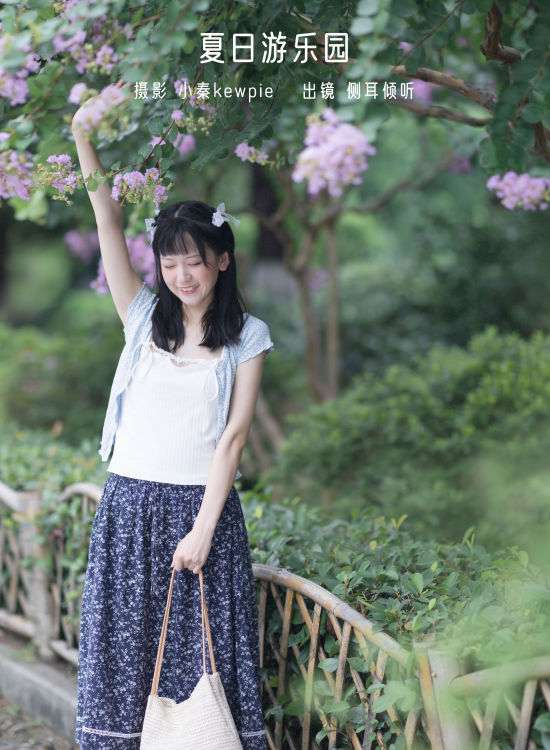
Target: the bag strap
(204, 618)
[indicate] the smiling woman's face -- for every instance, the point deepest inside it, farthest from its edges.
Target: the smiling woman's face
(188, 278)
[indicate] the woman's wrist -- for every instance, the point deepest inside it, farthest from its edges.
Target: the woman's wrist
(204, 527)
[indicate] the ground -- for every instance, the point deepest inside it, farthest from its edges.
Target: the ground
(18, 731)
(21, 732)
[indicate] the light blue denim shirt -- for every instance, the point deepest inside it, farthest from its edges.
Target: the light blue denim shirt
(254, 339)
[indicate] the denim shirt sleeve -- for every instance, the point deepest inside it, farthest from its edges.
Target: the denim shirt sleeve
(138, 310)
(255, 339)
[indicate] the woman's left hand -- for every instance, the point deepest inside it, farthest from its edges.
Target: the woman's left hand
(192, 551)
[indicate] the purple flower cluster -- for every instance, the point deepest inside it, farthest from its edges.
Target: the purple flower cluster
(249, 153)
(99, 284)
(141, 258)
(184, 143)
(460, 164)
(76, 93)
(521, 190)
(334, 155)
(89, 49)
(15, 174)
(63, 178)
(83, 245)
(136, 187)
(14, 86)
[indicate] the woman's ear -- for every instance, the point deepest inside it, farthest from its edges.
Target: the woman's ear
(224, 261)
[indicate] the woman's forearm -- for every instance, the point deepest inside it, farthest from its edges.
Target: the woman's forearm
(220, 480)
(102, 203)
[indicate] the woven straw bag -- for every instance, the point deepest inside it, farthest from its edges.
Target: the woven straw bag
(203, 721)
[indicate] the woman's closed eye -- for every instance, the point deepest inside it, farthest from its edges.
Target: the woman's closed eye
(190, 264)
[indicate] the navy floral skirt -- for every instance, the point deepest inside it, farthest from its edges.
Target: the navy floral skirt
(137, 527)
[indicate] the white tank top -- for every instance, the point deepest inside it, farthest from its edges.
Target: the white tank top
(168, 422)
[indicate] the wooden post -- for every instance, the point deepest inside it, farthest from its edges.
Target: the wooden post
(40, 603)
(447, 716)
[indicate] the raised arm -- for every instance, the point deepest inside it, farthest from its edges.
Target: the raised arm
(124, 283)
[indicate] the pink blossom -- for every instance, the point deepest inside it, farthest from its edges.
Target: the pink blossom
(15, 174)
(521, 191)
(156, 140)
(424, 90)
(243, 151)
(63, 178)
(460, 164)
(106, 58)
(184, 143)
(141, 258)
(32, 63)
(136, 187)
(62, 45)
(335, 154)
(76, 93)
(251, 154)
(99, 284)
(83, 245)
(13, 88)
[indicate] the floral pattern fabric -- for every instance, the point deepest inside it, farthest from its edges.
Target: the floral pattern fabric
(136, 529)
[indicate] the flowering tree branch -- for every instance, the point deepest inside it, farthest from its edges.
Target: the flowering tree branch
(482, 97)
(492, 46)
(434, 110)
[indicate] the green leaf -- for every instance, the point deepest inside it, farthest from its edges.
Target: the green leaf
(329, 665)
(335, 706)
(403, 8)
(532, 113)
(418, 581)
(367, 7)
(358, 663)
(361, 26)
(383, 702)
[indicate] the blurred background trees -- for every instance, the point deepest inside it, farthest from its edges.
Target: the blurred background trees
(410, 312)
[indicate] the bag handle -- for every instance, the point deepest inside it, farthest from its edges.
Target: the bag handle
(160, 652)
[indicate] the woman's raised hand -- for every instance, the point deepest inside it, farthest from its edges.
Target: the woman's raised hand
(81, 113)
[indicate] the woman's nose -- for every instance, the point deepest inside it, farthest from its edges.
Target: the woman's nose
(183, 277)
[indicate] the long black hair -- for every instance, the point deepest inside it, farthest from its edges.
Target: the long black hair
(223, 320)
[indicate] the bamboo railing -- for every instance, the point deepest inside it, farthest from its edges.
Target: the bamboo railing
(318, 656)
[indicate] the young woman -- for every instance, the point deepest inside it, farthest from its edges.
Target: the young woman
(179, 413)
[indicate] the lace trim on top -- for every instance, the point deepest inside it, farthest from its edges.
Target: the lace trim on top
(174, 358)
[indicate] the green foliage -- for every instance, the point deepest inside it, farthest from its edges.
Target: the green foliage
(39, 460)
(476, 600)
(458, 438)
(488, 608)
(164, 43)
(58, 378)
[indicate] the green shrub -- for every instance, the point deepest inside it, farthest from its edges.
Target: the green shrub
(58, 378)
(459, 438)
(489, 607)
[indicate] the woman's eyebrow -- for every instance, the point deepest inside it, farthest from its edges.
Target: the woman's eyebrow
(171, 257)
